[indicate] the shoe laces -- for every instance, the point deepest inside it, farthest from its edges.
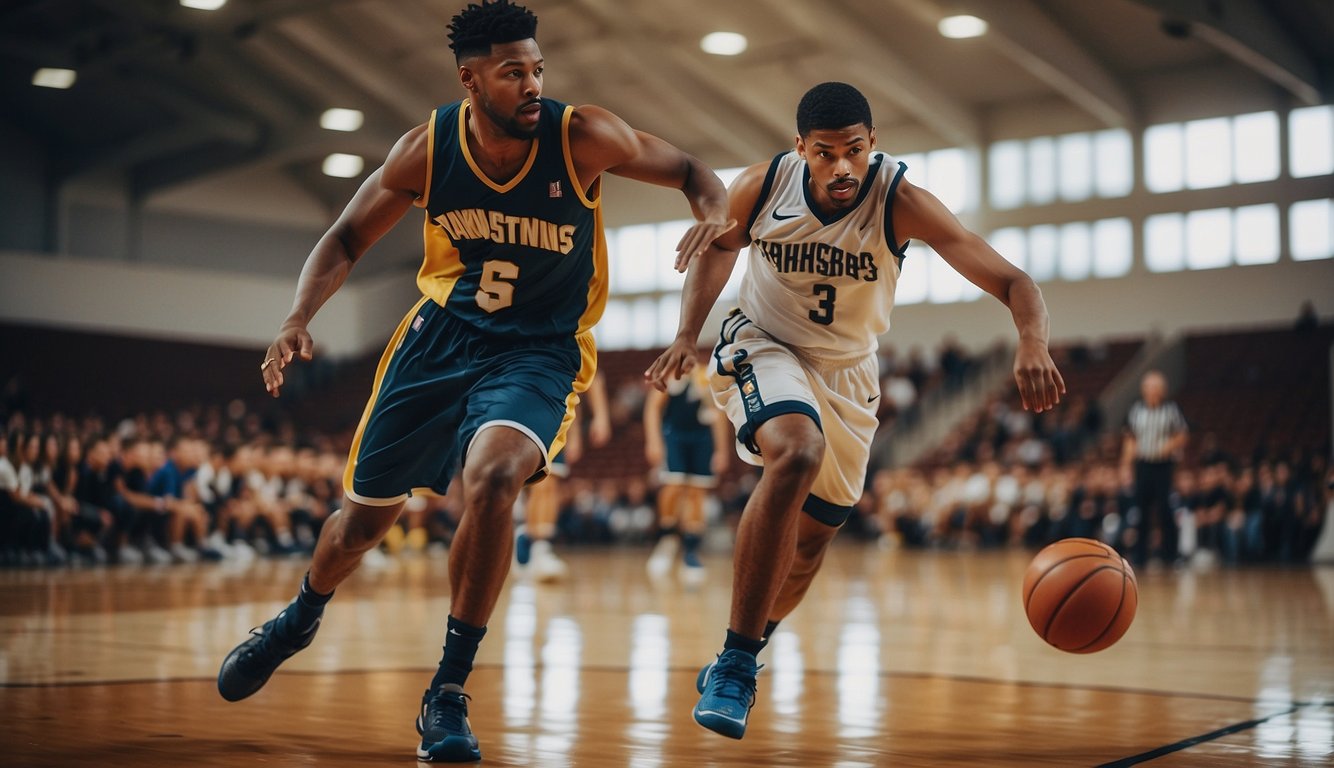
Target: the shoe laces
(266, 644)
(733, 678)
(446, 710)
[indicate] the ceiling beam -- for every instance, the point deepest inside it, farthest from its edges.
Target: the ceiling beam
(691, 79)
(344, 56)
(1025, 33)
(895, 79)
(288, 145)
(668, 98)
(1245, 30)
(198, 124)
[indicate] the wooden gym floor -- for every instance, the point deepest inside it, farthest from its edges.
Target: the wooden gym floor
(895, 658)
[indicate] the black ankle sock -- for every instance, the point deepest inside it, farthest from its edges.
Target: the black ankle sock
(460, 647)
(690, 543)
(769, 631)
(664, 531)
(743, 643)
(304, 611)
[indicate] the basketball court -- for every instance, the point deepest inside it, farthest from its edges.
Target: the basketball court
(895, 658)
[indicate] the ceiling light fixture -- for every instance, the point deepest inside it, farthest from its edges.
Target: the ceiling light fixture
(54, 77)
(343, 166)
(204, 5)
(962, 26)
(338, 119)
(723, 43)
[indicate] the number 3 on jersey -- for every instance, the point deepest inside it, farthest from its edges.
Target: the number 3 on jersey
(825, 314)
(495, 292)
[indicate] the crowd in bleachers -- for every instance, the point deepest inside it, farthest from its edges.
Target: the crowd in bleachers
(158, 489)
(232, 482)
(1269, 509)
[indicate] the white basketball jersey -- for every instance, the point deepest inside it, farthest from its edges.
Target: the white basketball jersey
(823, 284)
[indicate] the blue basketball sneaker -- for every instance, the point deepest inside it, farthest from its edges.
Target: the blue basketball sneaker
(443, 724)
(728, 692)
(248, 667)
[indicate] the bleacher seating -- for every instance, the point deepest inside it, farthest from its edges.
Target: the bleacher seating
(1265, 390)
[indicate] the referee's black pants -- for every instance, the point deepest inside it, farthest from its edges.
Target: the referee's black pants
(1153, 490)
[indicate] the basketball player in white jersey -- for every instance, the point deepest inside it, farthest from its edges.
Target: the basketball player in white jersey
(828, 225)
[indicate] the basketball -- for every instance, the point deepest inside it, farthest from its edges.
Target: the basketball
(1080, 595)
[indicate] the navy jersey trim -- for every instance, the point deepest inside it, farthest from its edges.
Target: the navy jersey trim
(839, 214)
(832, 515)
(765, 189)
(767, 411)
(890, 240)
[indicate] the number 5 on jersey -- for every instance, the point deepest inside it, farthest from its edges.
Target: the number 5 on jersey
(495, 291)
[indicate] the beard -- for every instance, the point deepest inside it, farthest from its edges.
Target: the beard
(510, 123)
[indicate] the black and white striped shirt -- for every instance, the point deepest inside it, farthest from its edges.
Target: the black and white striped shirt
(1153, 427)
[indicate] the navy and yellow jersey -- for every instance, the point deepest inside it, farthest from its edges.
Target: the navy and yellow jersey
(687, 412)
(523, 258)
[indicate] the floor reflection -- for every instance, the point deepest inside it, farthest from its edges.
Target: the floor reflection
(901, 659)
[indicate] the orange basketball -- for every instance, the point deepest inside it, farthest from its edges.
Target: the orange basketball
(1080, 595)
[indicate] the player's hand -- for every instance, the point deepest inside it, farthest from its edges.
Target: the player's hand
(697, 239)
(653, 452)
(719, 463)
(1040, 384)
(675, 362)
(293, 341)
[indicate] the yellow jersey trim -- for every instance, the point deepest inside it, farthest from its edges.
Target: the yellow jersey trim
(425, 198)
(588, 367)
(440, 274)
(467, 155)
(385, 359)
(596, 300)
(596, 186)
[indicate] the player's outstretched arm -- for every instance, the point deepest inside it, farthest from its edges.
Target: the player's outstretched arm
(706, 277)
(601, 141)
(918, 215)
(377, 206)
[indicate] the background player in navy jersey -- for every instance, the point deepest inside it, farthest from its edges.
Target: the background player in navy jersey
(532, 546)
(489, 364)
(688, 440)
(795, 369)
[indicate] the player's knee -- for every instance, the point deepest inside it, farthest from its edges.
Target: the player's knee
(797, 459)
(357, 533)
(495, 482)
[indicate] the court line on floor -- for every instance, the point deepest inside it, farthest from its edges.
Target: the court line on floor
(1168, 749)
(625, 669)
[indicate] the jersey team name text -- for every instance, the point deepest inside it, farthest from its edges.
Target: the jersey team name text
(505, 229)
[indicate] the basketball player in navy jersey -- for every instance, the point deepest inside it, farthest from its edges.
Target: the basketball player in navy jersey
(828, 225)
(689, 441)
(489, 364)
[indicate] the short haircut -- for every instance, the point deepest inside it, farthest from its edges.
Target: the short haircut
(832, 105)
(476, 28)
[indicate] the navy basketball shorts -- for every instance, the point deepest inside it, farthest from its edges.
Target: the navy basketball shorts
(689, 459)
(440, 382)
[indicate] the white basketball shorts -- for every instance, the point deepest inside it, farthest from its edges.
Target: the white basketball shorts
(755, 378)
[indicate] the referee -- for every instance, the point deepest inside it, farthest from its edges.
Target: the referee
(1154, 436)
